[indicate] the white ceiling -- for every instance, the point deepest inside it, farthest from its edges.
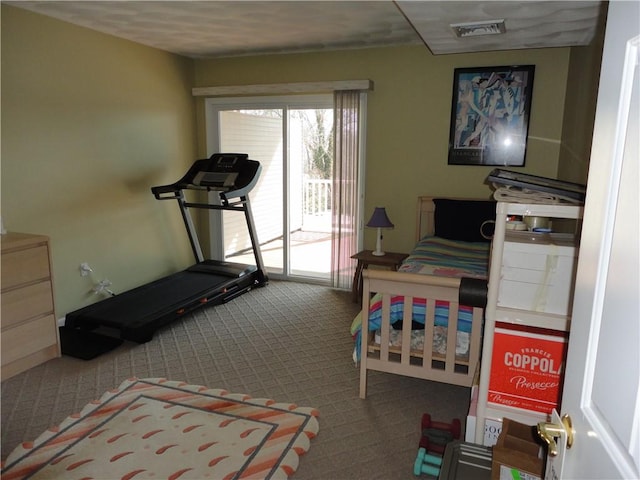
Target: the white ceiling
(209, 29)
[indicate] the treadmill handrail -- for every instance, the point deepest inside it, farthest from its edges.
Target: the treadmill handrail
(166, 192)
(249, 179)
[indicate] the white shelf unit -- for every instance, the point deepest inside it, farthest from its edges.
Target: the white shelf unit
(494, 312)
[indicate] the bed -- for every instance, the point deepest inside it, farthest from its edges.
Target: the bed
(441, 285)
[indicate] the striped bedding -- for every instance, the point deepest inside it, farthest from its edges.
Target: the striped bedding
(448, 258)
(431, 256)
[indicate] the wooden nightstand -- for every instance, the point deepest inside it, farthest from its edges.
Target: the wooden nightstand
(365, 258)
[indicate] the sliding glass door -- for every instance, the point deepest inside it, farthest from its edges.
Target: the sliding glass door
(292, 138)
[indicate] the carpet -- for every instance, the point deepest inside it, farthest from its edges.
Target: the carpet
(156, 428)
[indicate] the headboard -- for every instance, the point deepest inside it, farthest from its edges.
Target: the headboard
(467, 219)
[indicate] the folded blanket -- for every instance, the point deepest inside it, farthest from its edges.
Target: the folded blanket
(522, 195)
(419, 315)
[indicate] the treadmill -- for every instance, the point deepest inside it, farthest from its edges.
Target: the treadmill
(136, 314)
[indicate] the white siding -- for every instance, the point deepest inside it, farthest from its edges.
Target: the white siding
(261, 138)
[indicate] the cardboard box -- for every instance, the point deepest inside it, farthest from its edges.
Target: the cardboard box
(527, 368)
(538, 275)
(517, 451)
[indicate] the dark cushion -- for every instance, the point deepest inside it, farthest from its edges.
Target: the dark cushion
(464, 220)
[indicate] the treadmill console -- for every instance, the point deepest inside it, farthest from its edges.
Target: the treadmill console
(233, 174)
(221, 170)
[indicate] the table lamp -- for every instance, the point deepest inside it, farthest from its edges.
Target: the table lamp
(379, 220)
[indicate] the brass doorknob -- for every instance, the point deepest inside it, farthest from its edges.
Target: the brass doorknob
(550, 431)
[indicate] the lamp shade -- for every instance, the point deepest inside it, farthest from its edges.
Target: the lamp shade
(379, 219)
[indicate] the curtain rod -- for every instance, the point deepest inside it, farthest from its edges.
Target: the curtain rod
(282, 88)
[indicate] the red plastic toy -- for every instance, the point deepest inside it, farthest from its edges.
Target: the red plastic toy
(436, 435)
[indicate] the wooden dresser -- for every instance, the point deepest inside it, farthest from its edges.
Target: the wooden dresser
(29, 326)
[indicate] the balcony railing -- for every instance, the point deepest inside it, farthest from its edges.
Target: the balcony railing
(317, 197)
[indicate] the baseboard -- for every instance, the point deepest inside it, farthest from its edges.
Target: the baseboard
(61, 321)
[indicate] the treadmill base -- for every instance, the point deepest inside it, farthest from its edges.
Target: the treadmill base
(136, 314)
(85, 344)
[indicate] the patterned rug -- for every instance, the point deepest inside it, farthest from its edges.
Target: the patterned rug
(155, 428)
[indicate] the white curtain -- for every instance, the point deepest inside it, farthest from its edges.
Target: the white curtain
(344, 209)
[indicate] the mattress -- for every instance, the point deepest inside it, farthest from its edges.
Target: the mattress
(448, 258)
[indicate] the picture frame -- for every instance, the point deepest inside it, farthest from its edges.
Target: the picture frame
(490, 115)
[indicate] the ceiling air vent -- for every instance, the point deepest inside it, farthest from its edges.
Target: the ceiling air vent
(474, 29)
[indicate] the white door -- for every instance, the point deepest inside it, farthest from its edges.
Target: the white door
(602, 376)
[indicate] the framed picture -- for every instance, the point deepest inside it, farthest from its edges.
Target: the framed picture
(490, 115)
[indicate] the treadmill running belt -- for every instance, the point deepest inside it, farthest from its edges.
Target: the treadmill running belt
(139, 311)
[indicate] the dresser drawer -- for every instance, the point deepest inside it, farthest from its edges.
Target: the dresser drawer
(24, 303)
(23, 266)
(28, 338)
(27, 315)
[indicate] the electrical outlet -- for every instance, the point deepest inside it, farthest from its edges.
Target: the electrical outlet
(85, 269)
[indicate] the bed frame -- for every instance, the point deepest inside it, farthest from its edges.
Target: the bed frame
(425, 363)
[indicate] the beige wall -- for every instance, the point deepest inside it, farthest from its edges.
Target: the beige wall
(89, 123)
(580, 108)
(408, 117)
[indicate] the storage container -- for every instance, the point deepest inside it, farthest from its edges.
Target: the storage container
(527, 368)
(537, 272)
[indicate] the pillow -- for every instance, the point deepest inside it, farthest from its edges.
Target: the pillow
(464, 220)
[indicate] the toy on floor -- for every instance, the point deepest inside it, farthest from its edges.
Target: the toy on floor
(436, 435)
(427, 463)
(434, 439)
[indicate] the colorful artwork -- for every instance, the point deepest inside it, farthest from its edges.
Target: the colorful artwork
(490, 115)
